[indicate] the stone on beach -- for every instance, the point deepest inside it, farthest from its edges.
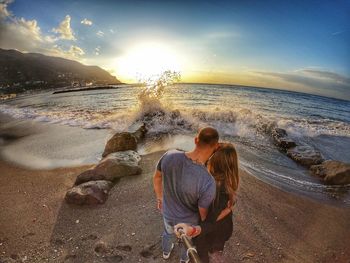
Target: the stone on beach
(88, 175)
(332, 172)
(123, 141)
(305, 155)
(112, 167)
(89, 193)
(140, 133)
(281, 139)
(119, 164)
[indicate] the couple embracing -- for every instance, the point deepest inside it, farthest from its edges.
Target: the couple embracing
(196, 191)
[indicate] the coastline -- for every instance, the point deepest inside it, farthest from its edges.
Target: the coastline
(36, 224)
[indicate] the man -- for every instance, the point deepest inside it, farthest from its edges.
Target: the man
(184, 188)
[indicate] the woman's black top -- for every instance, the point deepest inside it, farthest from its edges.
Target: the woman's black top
(216, 232)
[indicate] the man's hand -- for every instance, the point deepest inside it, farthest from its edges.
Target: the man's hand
(190, 231)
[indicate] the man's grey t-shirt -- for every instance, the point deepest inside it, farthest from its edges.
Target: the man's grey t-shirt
(186, 186)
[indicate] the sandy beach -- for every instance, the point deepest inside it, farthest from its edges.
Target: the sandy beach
(270, 225)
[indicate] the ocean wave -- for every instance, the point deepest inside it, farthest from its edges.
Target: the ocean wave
(161, 118)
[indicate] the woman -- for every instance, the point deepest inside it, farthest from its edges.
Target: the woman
(217, 227)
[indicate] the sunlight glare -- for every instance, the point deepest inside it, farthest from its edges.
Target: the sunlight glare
(146, 61)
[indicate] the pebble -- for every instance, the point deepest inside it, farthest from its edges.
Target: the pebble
(275, 217)
(77, 221)
(237, 244)
(133, 234)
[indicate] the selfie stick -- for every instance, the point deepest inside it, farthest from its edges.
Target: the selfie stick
(191, 250)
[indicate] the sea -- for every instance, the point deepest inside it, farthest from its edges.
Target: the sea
(173, 113)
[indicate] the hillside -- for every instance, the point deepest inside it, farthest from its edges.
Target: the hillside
(23, 71)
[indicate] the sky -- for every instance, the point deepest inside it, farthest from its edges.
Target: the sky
(295, 45)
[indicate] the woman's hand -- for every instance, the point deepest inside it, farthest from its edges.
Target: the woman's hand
(226, 211)
(190, 231)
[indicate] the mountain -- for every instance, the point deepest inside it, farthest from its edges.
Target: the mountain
(23, 71)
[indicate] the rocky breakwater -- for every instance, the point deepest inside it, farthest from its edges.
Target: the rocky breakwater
(119, 159)
(332, 172)
(302, 154)
(329, 171)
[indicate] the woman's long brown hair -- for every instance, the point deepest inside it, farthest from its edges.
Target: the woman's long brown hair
(223, 165)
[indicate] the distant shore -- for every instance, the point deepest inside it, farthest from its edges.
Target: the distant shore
(84, 89)
(36, 224)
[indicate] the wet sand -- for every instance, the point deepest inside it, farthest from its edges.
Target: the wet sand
(269, 225)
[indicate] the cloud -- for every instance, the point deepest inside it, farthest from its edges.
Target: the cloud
(64, 29)
(21, 33)
(86, 22)
(327, 75)
(26, 36)
(100, 33)
(76, 51)
(97, 50)
(322, 82)
(338, 32)
(3, 8)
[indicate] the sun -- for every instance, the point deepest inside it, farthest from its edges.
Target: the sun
(145, 61)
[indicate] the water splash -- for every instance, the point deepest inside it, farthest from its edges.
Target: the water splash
(153, 90)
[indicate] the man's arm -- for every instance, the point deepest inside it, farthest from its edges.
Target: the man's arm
(157, 185)
(203, 212)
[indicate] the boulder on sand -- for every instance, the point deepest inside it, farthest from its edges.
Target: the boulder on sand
(332, 172)
(305, 155)
(140, 133)
(119, 164)
(112, 167)
(281, 139)
(88, 175)
(123, 141)
(89, 193)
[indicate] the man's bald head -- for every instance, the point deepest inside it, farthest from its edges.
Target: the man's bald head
(207, 137)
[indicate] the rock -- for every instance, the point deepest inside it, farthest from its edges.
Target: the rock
(305, 155)
(140, 133)
(89, 193)
(278, 132)
(123, 141)
(119, 164)
(88, 175)
(332, 172)
(112, 167)
(281, 139)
